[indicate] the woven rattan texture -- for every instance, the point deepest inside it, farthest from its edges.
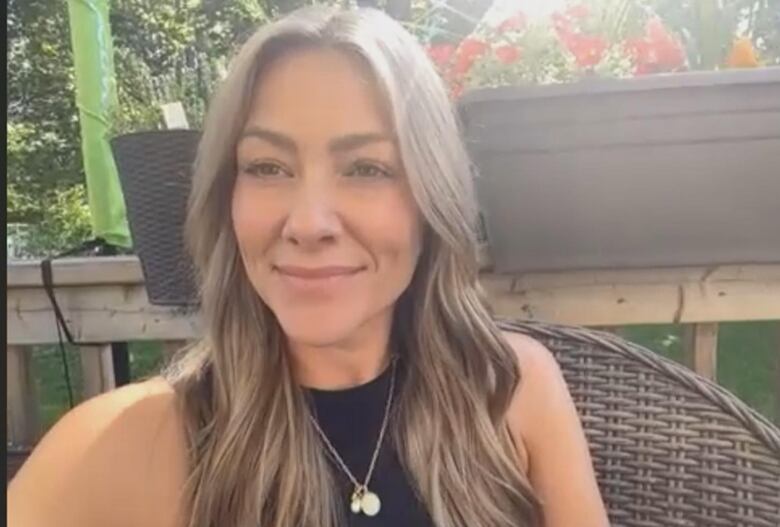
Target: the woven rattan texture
(670, 448)
(155, 171)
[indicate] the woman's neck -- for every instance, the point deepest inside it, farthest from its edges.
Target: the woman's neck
(352, 362)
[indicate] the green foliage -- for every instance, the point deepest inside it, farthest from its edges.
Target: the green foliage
(747, 359)
(174, 51)
(163, 52)
(62, 219)
(764, 28)
(709, 27)
(54, 212)
(435, 21)
(43, 131)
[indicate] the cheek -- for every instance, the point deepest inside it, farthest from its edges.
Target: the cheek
(252, 229)
(399, 239)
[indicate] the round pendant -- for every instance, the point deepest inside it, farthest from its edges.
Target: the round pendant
(370, 504)
(354, 504)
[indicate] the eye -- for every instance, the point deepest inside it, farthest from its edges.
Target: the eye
(265, 169)
(368, 169)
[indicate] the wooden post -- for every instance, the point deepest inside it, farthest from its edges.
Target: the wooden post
(22, 406)
(97, 367)
(700, 348)
(777, 373)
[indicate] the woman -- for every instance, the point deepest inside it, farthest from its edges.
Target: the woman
(350, 373)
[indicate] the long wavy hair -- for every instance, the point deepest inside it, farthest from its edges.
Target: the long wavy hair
(254, 458)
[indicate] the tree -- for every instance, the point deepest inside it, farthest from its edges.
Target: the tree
(170, 49)
(43, 130)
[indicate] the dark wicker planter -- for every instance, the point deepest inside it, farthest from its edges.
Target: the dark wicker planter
(670, 170)
(155, 173)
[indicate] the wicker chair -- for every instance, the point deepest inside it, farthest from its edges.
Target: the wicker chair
(670, 448)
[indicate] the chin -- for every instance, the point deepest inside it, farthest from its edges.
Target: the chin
(318, 329)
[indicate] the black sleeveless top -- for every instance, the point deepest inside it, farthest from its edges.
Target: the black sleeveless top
(351, 419)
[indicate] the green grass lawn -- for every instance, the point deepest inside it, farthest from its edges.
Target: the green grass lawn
(747, 364)
(747, 358)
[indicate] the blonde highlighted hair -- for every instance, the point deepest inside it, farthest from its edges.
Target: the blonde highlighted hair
(254, 458)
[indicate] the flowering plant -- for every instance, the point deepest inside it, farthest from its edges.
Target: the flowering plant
(575, 42)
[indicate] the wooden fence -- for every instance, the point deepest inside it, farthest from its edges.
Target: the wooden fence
(103, 300)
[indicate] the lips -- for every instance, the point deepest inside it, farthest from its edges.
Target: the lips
(317, 273)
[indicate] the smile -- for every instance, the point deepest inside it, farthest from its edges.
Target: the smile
(316, 280)
(317, 273)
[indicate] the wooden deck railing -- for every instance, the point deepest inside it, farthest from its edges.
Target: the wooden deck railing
(103, 300)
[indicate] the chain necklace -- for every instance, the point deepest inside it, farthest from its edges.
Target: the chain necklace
(362, 499)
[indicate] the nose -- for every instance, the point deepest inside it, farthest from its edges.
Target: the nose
(312, 219)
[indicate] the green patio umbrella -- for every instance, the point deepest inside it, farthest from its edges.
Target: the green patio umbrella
(97, 103)
(96, 98)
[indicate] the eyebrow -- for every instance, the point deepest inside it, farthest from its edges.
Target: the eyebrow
(338, 144)
(354, 141)
(269, 136)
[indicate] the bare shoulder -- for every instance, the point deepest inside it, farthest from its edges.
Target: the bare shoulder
(544, 416)
(104, 462)
(542, 386)
(532, 355)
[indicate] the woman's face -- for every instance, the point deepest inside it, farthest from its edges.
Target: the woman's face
(326, 224)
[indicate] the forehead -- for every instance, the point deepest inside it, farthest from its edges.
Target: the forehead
(321, 90)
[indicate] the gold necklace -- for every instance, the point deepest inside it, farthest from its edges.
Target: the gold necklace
(362, 499)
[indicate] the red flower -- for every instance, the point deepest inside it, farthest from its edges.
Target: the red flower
(517, 22)
(462, 65)
(440, 54)
(655, 30)
(507, 54)
(668, 50)
(469, 50)
(472, 47)
(588, 50)
(639, 50)
(657, 51)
